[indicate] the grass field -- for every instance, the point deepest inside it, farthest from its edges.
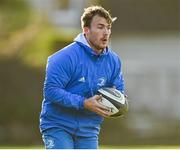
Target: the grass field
(103, 147)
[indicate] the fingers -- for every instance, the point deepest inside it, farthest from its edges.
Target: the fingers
(97, 97)
(102, 110)
(100, 106)
(93, 104)
(103, 113)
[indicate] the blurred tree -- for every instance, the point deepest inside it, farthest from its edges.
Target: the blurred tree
(26, 39)
(20, 100)
(14, 15)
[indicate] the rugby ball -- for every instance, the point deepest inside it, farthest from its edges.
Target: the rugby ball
(114, 100)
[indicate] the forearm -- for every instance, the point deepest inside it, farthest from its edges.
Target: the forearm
(63, 97)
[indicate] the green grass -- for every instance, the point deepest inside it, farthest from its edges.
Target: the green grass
(141, 147)
(149, 147)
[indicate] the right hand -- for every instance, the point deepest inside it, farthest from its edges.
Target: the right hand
(92, 104)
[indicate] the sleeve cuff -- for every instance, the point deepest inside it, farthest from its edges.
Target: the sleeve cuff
(81, 102)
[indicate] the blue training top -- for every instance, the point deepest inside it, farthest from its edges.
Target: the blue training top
(73, 74)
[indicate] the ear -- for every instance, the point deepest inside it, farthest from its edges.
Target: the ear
(86, 30)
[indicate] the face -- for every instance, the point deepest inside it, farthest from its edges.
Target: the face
(98, 33)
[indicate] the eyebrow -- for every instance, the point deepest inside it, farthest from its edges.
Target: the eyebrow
(100, 24)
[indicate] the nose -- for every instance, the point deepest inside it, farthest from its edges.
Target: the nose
(107, 31)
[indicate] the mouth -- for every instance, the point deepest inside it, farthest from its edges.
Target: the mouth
(104, 39)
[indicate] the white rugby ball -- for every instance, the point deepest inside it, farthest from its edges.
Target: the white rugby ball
(114, 100)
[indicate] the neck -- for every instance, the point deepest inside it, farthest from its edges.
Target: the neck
(95, 49)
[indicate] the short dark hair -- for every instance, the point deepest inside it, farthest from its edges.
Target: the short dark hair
(92, 11)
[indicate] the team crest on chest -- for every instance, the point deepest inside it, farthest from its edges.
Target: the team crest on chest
(101, 81)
